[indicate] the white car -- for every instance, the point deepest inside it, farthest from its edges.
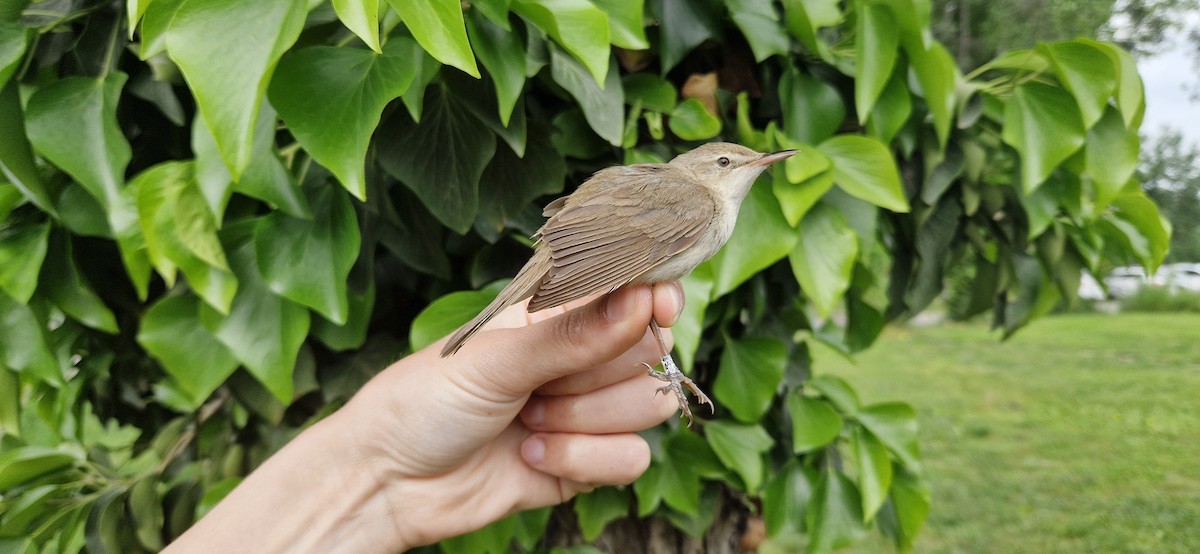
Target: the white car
(1124, 282)
(1179, 277)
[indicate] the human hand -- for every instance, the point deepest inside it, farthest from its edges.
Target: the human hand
(533, 410)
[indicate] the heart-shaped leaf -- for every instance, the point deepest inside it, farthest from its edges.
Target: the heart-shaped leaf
(438, 26)
(578, 25)
(597, 508)
(690, 120)
(740, 447)
(264, 331)
(331, 99)
(814, 422)
(812, 109)
(682, 26)
(1044, 124)
(751, 370)
(362, 18)
(308, 261)
(895, 425)
(1087, 72)
(229, 77)
(834, 519)
(823, 260)
(760, 25)
(73, 123)
(446, 314)
(786, 498)
(503, 54)
(441, 158)
(171, 331)
(1112, 155)
(874, 471)
(865, 168)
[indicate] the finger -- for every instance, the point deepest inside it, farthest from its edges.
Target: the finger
(517, 361)
(624, 366)
(631, 405)
(668, 303)
(591, 459)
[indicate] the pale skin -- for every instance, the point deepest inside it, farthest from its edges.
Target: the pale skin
(536, 409)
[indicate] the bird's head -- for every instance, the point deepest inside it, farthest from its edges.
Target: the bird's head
(727, 168)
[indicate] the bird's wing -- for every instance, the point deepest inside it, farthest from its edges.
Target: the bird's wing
(629, 220)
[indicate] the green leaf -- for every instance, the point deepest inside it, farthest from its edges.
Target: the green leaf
(13, 38)
(155, 22)
(625, 23)
(495, 10)
(230, 77)
(740, 447)
(1112, 155)
(332, 98)
(1087, 72)
(804, 18)
(654, 92)
(892, 109)
(308, 261)
(751, 370)
(22, 250)
(147, 511)
(441, 158)
(503, 54)
(812, 109)
(16, 157)
(761, 238)
(73, 123)
(446, 314)
(480, 100)
(23, 344)
(837, 391)
(874, 471)
(172, 332)
(911, 500)
(1131, 96)
(1044, 124)
(265, 178)
(690, 120)
(263, 331)
(510, 183)
(865, 168)
(760, 25)
(438, 26)
(25, 463)
(180, 233)
(66, 288)
(682, 26)
(823, 260)
(1142, 214)
(10, 401)
(597, 508)
(603, 106)
(875, 56)
(352, 334)
(427, 69)
(786, 498)
(579, 26)
(938, 76)
(805, 180)
(362, 18)
(895, 425)
(814, 422)
(834, 517)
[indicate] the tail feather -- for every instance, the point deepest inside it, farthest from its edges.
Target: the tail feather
(524, 285)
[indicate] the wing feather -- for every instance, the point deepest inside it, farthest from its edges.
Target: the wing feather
(603, 236)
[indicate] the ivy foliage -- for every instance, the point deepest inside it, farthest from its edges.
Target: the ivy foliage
(221, 218)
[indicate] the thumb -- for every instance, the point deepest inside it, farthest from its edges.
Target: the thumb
(519, 360)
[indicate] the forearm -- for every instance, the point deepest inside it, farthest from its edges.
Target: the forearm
(317, 494)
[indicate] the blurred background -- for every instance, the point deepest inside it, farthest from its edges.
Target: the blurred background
(1081, 433)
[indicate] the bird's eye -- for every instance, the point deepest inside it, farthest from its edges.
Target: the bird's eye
(723, 161)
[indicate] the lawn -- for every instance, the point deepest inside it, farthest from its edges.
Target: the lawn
(1080, 434)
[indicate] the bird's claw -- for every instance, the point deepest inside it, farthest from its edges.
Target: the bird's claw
(676, 381)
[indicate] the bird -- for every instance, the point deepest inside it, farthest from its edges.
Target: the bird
(633, 224)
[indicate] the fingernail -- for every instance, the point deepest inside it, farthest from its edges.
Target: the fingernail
(534, 413)
(621, 303)
(534, 451)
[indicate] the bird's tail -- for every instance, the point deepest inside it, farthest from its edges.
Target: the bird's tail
(522, 286)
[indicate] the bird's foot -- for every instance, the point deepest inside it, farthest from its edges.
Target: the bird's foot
(676, 381)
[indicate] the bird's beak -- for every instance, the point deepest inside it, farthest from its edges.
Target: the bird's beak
(768, 159)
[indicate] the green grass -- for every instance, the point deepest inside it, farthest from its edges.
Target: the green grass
(1081, 434)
